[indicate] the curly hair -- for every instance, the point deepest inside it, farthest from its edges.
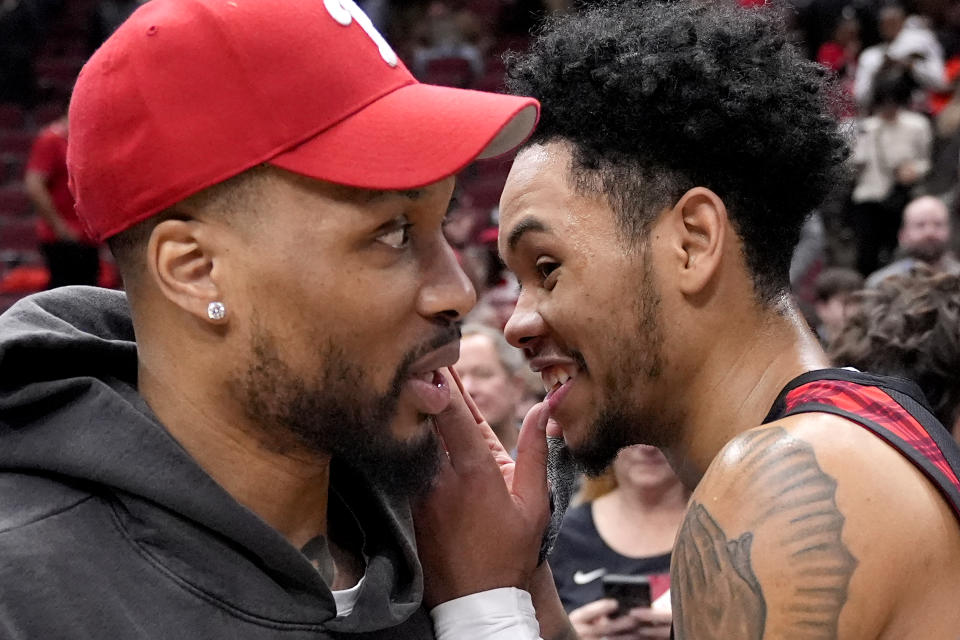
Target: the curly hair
(658, 97)
(909, 326)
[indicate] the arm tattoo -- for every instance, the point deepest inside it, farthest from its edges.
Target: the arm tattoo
(717, 594)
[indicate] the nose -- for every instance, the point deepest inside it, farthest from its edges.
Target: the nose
(447, 291)
(525, 325)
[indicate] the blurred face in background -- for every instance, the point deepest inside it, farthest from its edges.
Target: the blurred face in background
(925, 233)
(644, 468)
(495, 389)
(890, 23)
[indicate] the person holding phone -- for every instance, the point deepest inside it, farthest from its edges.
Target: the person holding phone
(650, 222)
(230, 447)
(625, 529)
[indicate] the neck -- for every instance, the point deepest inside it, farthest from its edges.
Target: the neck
(736, 381)
(287, 490)
(648, 501)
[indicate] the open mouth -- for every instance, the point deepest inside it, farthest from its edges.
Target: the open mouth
(429, 391)
(555, 377)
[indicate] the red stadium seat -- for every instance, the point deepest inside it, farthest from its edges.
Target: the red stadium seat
(487, 11)
(11, 117)
(16, 143)
(19, 235)
(47, 113)
(449, 72)
(492, 81)
(14, 202)
(58, 75)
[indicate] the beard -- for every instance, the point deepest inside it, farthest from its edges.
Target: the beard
(929, 251)
(336, 413)
(620, 420)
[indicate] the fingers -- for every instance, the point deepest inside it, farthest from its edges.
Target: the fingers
(554, 430)
(652, 617)
(530, 477)
(590, 612)
(457, 424)
(501, 455)
(466, 396)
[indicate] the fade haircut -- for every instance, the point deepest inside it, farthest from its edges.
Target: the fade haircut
(658, 97)
(234, 196)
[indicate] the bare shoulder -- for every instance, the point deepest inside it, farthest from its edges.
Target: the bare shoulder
(825, 531)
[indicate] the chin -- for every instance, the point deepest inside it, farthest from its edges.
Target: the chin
(593, 451)
(408, 426)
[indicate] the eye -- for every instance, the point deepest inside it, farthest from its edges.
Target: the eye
(397, 238)
(546, 269)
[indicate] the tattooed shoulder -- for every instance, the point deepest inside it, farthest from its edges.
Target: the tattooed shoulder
(784, 511)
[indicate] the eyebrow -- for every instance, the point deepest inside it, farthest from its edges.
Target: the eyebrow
(410, 194)
(526, 225)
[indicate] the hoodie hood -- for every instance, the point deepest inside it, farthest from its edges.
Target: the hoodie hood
(70, 411)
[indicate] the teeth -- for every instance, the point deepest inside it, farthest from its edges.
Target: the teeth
(555, 376)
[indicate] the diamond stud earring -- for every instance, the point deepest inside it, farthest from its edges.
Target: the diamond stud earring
(216, 311)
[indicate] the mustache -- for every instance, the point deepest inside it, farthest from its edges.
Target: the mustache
(449, 333)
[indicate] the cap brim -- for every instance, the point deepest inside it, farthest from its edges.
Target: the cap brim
(414, 136)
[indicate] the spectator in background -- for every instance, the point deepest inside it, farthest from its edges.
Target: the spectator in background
(498, 302)
(891, 156)
(72, 256)
(909, 326)
(626, 526)
(839, 54)
(833, 289)
(446, 41)
(908, 45)
(924, 238)
(490, 371)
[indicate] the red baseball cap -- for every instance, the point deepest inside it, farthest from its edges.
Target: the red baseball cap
(188, 93)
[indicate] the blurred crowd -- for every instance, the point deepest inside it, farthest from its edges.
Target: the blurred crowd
(876, 270)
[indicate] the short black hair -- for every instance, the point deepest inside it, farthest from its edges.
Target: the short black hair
(232, 197)
(657, 97)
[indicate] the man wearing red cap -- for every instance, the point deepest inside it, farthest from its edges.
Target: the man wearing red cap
(229, 450)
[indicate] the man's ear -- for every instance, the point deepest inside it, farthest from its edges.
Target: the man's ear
(701, 225)
(183, 265)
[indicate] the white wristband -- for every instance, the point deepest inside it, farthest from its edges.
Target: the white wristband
(498, 614)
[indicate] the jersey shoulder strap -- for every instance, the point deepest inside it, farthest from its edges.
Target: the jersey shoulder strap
(893, 409)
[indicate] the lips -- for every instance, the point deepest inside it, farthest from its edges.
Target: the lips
(556, 375)
(426, 385)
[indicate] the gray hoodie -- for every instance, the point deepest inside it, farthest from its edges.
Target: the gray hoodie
(109, 529)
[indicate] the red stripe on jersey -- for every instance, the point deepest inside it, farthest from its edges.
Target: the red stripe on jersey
(875, 405)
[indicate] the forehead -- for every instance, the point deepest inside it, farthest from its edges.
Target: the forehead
(539, 196)
(476, 348)
(926, 212)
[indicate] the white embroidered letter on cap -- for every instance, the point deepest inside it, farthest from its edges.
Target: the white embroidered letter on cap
(346, 11)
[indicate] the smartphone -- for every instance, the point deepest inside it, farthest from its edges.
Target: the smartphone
(630, 592)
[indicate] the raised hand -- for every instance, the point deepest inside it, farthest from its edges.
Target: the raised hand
(481, 525)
